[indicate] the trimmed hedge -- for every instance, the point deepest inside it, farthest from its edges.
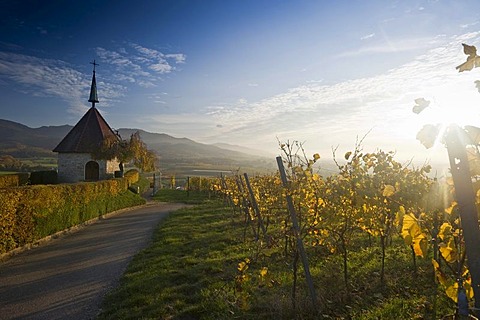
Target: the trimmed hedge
(44, 177)
(13, 180)
(30, 213)
(132, 176)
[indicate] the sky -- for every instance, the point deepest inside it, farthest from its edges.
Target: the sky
(248, 73)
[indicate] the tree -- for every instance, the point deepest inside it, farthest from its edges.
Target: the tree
(124, 151)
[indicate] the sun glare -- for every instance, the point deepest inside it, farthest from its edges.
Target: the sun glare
(460, 109)
(455, 104)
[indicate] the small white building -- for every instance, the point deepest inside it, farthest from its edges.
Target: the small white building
(75, 161)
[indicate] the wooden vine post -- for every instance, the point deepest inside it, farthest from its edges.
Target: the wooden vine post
(456, 141)
(296, 229)
(255, 205)
(246, 207)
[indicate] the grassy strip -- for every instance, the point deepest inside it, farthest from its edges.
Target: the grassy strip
(194, 250)
(189, 197)
(193, 270)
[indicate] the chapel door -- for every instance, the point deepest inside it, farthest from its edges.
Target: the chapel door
(92, 171)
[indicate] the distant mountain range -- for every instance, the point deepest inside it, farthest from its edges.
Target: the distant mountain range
(175, 154)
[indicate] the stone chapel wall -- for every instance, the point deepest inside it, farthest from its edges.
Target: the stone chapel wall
(71, 167)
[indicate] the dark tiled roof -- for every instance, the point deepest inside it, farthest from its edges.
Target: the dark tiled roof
(87, 135)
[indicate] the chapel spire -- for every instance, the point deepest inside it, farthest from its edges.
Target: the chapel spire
(93, 89)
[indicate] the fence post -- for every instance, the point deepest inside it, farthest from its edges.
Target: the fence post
(245, 205)
(255, 205)
(227, 197)
(296, 229)
(456, 141)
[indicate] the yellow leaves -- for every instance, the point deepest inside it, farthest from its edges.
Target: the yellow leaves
(347, 155)
(448, 247)
(473, 60)
(420, 105)
(263, 272)
(413, 236)
(442, 279)
(453, 206)
(316, 157)
(428, 135)
(243, 266)
(445, 231)
(399, 216)
(448, 251)
(388, 191)
(451, 286)
(452, 292)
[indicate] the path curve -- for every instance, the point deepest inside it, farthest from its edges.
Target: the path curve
(68, 277)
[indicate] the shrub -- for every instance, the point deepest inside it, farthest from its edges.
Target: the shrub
(44, 177)
(30, 213)
(14, 180)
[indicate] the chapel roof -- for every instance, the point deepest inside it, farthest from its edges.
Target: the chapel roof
(89, 133)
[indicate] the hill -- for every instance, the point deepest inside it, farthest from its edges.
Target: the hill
(176, 155)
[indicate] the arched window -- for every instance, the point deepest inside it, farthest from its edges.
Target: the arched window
(92, 171)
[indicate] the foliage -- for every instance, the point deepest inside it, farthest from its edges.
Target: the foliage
(371, 197)
(9, 163)
(200, 267)
(44, 177)
(13, 180)
(30, 213)
(134, 149)
(451, 238)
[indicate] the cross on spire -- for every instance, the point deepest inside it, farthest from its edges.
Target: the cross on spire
(94, 65)
(93, 88)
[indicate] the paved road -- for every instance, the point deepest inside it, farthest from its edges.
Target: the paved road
(68, 277)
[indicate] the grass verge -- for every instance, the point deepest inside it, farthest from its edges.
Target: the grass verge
(200, 267)
(188, 197)
(191, 253)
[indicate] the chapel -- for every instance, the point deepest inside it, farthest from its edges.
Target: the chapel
(75, 160)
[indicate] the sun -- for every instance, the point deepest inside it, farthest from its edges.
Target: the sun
(450, 108)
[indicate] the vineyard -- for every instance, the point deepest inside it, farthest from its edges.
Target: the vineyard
(373, 205)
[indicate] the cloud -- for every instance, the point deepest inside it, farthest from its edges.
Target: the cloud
(161, 67)
(42, 31)
(54, 78)
(468, 25)
(327, 114)
(156, 60)
(368, 36)
(178, 57)
(138, 64)
(393, 46)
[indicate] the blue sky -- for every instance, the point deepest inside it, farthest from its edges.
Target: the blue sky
(245, 72)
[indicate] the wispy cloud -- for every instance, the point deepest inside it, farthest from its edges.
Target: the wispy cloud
(53, 78)
(138, 64)
(468, 25)
(326, 114)
(393, 46)
(368, 36)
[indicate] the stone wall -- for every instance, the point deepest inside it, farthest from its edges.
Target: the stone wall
(111, 167)
(71, 167)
